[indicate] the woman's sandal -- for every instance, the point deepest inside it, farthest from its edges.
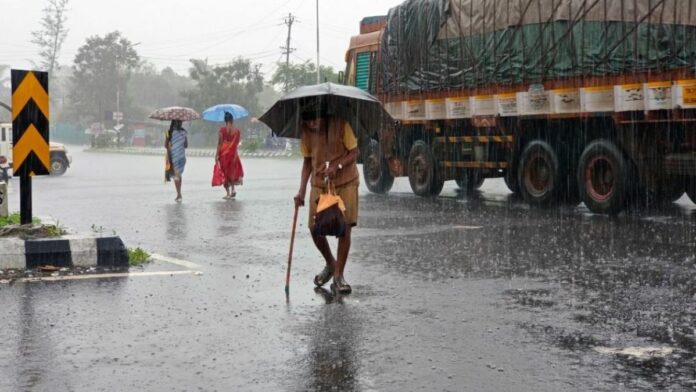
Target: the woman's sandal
(342, 286)
(323, 277)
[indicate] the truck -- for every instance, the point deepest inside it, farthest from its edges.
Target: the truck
(568, 101)
(60, 159)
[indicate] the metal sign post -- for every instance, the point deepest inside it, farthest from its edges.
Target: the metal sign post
(30, 124)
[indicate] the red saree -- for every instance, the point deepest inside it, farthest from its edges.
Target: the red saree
(230, 164)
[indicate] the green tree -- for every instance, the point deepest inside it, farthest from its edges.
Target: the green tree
(238, 82)
(304, 74)
(101, 71)
(51, 35)
(150, 89)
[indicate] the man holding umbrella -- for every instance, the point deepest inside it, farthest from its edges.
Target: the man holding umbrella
(326, 138)
(323, 117)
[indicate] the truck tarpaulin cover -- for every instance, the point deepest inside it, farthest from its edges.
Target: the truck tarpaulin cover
(474, 43)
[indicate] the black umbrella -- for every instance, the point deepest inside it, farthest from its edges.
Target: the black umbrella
(361, 109)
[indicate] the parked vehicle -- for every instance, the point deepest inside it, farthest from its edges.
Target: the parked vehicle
(60, 159)
(570, 103)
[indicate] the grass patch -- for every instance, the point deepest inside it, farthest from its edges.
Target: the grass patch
(137, 257)
(55, 230)
(14, 219)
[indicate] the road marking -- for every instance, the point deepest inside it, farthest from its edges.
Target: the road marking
(637, 352)
(106, 276)
(171, 260)
(468, 227)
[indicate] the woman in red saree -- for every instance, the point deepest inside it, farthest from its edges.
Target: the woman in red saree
(227, 157)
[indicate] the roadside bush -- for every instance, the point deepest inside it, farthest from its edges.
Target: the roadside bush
(137, 257)
(251, 145)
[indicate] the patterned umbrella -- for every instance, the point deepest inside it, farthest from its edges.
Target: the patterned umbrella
(175, 113)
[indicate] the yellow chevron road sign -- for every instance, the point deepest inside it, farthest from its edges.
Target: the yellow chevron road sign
(30, 123)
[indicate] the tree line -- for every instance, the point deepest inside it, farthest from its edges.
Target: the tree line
(108, 73)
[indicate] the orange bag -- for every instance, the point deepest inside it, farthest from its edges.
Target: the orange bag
(330, 219)
(218, 175)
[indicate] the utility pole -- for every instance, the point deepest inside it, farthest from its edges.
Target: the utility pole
(318, 66)
(287, 49)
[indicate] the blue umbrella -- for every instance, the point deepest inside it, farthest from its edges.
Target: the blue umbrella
(217, 112)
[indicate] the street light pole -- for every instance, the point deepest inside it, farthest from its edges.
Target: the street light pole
(318, 66)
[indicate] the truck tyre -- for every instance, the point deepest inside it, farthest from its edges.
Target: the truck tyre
(58, 166)
(423, 173)
(470, 180)
(539, 174)
(603, 177)
(375, 169)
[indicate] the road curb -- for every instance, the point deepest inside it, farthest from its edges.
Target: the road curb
(64, 252)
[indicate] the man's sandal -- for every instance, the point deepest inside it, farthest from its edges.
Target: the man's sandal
(342, 286)
(323, 277)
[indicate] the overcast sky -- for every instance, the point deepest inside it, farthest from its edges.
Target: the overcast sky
(170, 32)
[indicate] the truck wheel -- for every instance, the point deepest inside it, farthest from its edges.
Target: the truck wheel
(471, 179)
(538, 176)
(603, 175)
(58, 166)
(423, 174)
(375, 169)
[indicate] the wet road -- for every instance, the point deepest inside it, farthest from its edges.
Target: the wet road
(450, 294)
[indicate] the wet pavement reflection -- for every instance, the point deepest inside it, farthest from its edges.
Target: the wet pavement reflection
(334, 337)
(461, 292)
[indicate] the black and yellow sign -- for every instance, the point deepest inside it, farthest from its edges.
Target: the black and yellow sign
(30, 155)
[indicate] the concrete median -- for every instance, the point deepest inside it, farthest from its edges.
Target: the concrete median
(63, 252)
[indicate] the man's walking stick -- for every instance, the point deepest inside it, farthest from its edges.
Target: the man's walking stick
(292, 245)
